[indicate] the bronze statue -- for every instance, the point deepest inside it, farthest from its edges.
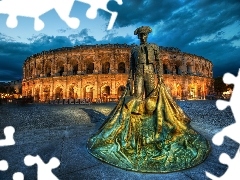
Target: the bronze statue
(151, 133)
(144, 63)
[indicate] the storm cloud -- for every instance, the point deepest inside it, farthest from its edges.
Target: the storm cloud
(208, 28)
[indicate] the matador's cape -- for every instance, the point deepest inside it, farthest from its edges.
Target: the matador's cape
(150, 135)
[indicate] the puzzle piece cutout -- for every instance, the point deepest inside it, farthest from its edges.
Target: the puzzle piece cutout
(8, 132)
(18, 176)
(8, 141)
(44, 170)
(231, 131)
(36, 8)
(101, 4)
(3, 165)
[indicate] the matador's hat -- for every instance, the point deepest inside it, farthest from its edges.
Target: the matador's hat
(143, 29)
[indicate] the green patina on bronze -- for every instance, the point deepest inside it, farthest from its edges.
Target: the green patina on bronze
(150, 134)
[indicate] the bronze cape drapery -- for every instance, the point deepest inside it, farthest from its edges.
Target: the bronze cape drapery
(150, 135)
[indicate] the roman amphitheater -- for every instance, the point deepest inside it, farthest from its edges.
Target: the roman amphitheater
(100, 72)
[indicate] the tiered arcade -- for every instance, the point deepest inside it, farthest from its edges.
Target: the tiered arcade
(100, 72)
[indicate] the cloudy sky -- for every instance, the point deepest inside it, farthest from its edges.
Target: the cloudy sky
(208, 28)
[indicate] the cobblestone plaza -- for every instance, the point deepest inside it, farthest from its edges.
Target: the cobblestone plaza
(57, 130)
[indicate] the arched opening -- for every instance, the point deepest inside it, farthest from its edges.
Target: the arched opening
(60, 68)
(59, 93)
(165, 70)
(71, 92)
(121, 67)
(88, 93)
(105, 68)
(105, 93)
(31, 72)
(75, 69)
(189, 71)
(38, 70)
(46, 93)
(191, 92)
(90, 68)
(178, 71)
(120, 91)
(48, 70)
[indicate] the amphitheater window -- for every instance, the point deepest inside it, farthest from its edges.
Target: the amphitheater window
(90, 68)
(178, 71)
(188, 69)
(61, 71)
(105, 68)
(59, 93)
(71, 92)
(48, 72)
(121, 67)
(75, 69)
(165, 69)
(106, 94)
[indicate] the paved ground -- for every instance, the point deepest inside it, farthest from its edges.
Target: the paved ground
(62, 131)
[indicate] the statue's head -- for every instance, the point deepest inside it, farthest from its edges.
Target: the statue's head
(142, 33)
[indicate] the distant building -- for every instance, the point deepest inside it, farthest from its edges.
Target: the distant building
(11, 89)
(100, 72)
(16, 85)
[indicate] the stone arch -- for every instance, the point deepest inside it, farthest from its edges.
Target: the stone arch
(88, 92)
(105, 93)
(90, 68)
(191, 91)
(166, 69)
(120, 90)
(74, 66)
(189, 68)
(105, 68)
(121, 67)
(38, 69)
(47, 69)
(178, 70)
(59, 93)
(178, 65)
(60, 67)
(71, 92)
(46, 93)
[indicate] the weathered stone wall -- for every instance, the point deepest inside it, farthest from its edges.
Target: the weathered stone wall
(101, 71)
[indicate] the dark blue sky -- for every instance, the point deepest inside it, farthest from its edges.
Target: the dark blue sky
(208, 28)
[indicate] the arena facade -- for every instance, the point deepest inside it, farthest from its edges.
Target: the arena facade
(100, 72)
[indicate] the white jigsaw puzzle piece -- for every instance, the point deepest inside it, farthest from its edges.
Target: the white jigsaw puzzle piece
(101, 4)
(3, 165)
(8, 132)
(36, 8)
(44, 170)
(18, 176)
(8, 141)
(231, 131)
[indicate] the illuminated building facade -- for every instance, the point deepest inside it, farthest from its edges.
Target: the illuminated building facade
(100, 72)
